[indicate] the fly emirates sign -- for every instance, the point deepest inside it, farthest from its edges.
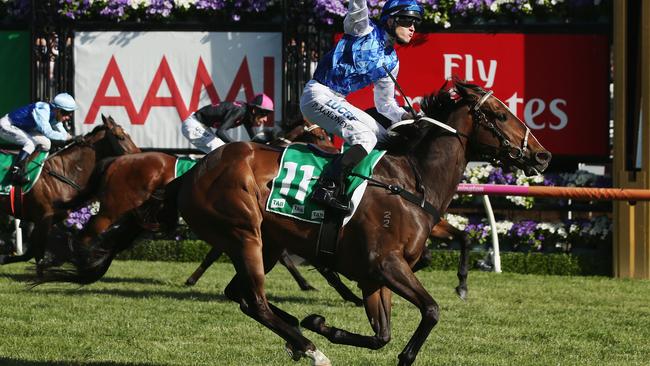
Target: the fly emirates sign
(556, 83)
(151, 81)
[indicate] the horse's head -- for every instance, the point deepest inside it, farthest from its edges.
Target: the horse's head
(494, 132)
(304, 131)
(110, 139)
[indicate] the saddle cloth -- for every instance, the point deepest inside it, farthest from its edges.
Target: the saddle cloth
(32, 171)
(183, 165)
(298, 172)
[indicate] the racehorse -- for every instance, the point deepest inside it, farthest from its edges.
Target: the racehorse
(224, 204)
(66, 174)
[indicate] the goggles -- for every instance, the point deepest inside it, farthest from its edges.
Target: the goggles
(407, 22)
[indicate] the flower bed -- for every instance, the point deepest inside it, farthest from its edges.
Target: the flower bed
(444, 13)
(488, 174)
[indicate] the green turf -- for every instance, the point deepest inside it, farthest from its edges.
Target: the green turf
(141, 314)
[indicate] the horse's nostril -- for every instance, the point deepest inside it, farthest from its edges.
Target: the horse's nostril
(543, 157)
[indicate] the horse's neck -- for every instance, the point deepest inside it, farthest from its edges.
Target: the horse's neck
(442, 164)
(75, 163)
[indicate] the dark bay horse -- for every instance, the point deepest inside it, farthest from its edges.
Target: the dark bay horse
(65, 175)
(224, 204)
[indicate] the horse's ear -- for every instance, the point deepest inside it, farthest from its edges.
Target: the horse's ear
(103, 118)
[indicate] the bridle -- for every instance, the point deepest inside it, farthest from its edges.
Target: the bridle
(480, 119)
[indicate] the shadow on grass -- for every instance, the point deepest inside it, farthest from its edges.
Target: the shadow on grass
(19, 277)
(14, 362)
(139, 280)
(177, 295)
(31, 278)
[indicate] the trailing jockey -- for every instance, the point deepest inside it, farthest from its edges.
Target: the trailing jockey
(35, 125)
(197, 128)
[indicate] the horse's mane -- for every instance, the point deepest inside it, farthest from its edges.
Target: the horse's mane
(436, 105)
(453, 91)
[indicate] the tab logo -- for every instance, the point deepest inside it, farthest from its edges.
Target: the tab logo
(298, 209)
(277, 203)
(318, 214)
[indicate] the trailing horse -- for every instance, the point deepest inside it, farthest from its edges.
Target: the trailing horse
(129, 189)
(65, 176)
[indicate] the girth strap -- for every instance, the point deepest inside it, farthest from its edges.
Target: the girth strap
(419, 201)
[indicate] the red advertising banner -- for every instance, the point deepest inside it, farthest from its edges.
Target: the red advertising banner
(558, 84)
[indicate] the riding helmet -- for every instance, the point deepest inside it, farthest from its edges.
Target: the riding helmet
(262, 101)
(406, 8)
(64, 101)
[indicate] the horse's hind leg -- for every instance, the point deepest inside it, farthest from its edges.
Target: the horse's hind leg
(210, 258)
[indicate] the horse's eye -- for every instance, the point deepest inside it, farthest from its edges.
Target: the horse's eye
(502, 116)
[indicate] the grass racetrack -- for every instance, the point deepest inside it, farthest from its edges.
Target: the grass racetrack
(142, 314)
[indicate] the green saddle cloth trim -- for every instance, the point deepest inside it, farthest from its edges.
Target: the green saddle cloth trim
(183, 165)
(32, 172)
(299, 170)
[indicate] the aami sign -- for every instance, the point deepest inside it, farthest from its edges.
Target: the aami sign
(151, 81)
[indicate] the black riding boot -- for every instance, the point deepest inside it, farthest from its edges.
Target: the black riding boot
(330, 186)
(17, 170)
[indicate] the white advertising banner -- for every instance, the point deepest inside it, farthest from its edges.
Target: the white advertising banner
(151, 81)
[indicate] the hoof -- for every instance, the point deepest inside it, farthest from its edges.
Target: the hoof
(462, 293)
(295, 355)
(190, 282)
(318, 358)
(313, 322)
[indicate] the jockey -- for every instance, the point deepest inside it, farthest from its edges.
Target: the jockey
(35, 125)
(360, 58)
(224, 116)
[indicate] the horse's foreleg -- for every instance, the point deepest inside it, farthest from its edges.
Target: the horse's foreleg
(400, 278)
(286, 261)
(444, 230)
(335, 281)
(463, 262)
(210, 258)
(378, 304)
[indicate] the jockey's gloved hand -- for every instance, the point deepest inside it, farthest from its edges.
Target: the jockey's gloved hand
(412, 114)
(76, 139)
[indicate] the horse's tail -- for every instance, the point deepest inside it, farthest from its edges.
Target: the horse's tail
(89, 191)
(90, 263)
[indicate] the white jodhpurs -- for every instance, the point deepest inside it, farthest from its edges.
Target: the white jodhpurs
(29, 141)
(199, 135)
(330, 110)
